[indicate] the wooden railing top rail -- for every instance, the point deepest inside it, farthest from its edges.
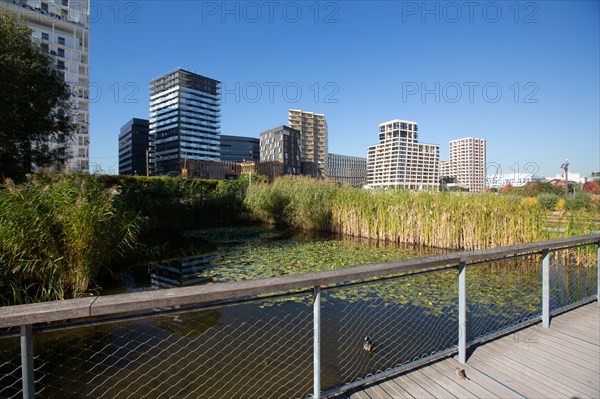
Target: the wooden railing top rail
(18, 315)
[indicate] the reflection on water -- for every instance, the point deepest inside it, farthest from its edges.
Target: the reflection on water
(180, 273)
(245, 253)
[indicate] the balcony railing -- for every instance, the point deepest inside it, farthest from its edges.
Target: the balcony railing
(290, 336)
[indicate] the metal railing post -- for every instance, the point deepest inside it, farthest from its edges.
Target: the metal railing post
(545, 289)
(462, 312)
(27, 376)
(317, 342)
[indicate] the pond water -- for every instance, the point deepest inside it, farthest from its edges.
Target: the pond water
(218, 255)
(264, 349)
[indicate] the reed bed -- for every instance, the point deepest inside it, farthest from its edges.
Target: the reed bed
(444, 220)
(56, 232)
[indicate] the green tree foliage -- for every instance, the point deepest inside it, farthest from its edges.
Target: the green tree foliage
(35, 121)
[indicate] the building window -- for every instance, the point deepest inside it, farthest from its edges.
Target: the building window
(60, 64)
(61, 52)
(45, 36)
(61, 41)
(45, 7)
(65, 3)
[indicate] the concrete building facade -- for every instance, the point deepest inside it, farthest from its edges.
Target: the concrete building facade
(185, 115)
(468, 163)
(133, 147)
(61, 29)
(400, 160)
(313, 141)
(347, 170)
(282, 144)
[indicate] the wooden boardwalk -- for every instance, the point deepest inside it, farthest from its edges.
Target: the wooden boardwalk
(560, 362)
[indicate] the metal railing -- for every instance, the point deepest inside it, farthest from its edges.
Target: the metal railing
(254, 338)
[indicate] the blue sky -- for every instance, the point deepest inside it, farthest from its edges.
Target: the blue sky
(524, 76)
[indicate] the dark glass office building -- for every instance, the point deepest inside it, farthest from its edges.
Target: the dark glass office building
(239, 149)
(133, 143)
(185, 112)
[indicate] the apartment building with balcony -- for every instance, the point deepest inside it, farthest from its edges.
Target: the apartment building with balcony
(61, 29)
(347, 169)
(282, 144)
(185, 113)
(313, 141)
(400, 160)
(468, 163)
(133, 147)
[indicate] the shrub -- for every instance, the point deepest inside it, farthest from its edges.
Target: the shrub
(548, 201)
(578, 200)
(561, 205)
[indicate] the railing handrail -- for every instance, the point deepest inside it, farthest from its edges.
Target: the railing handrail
(19, 315)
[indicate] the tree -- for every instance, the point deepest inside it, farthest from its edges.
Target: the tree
(35, 113)
(591, 187)
(506, 189)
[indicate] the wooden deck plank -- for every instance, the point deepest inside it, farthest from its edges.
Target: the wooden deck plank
(563, 381)
(561, 336)
(395, 390)
(580, 332)
(530, 367)
(550, 354)
(413, 388)
(479, 385)
(375, 391)
(509, 378)
(572, 344)
(584, 313)
(341, 395)
(576, 325)
(358, 393)
(449, 382)
(430, 385)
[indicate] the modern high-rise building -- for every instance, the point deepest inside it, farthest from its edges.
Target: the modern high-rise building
(313, 141)
(281, 144)
(400, 161)
(239, 149)
(185, 112)
(133, 147)
(61, 28)
(468, 163)
(444, 169)
(346, 169)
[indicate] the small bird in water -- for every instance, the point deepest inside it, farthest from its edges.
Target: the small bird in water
(368, 345)
(460, 373)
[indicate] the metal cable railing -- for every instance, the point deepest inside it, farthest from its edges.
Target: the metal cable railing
(271, 337)
(574, 278)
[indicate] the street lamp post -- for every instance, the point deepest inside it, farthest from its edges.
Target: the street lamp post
(565, 167)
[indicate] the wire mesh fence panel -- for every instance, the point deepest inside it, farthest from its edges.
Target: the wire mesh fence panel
(10, 368)
(573, 277)
(404, 319)
(503, 294)
(255, 350)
